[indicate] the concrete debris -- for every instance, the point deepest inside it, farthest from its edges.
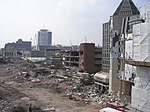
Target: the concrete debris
(67, 82)
(35, 80)
(52, 109)
(18, 109)
(25, 98)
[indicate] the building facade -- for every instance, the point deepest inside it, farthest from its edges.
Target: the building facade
(23, 45)
(44, 38)
(136, 54)
(125, 9)
(15, 49)
(71, 58)
(106, 48)
(90, 58)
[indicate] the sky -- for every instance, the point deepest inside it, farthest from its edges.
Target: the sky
(70, 21)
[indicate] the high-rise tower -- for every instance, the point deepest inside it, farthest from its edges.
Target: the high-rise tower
(44, 38)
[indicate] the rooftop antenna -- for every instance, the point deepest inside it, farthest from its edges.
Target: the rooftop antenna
(44, 25)
(71, 45)
(85, 39)
(31, 40)
(35, 39)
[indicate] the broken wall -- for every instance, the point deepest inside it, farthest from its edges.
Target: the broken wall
(141, 90)
(141, 39)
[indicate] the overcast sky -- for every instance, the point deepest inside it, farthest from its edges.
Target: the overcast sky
(69, 20)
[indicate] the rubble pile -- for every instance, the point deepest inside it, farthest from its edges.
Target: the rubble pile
(8, 97)
(78, 87)
(12, 100)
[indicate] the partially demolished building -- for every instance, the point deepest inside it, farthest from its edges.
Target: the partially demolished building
(129, 38)
(135, 55)
(71, 58)
(90, 58)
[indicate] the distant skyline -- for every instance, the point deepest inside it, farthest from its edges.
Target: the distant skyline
(69, 20)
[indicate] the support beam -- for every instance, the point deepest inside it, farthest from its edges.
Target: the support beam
(138, 63)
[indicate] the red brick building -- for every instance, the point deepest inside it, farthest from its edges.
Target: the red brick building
(90, 58)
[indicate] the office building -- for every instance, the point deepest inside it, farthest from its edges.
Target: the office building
(106, 48)
(15, 49)
(44, 38)
(111, 37)
(23, 45)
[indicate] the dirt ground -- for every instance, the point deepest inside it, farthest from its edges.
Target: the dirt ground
(61, 103)
(18, 91)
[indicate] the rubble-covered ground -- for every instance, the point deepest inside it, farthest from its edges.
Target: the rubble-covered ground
(26, 87)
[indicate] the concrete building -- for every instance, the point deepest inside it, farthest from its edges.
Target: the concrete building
(15, 49)
(45, 48)
(1, 52)
(50, 52)
(68, 48)
(26, 54)
(71, 58)
(20, 45)
(136, 56)
(98, 59)
(53, 51)
(125, 9)
(10, 53)
(44, 38)
(38, 54)
(106, 48)
(90, 58)
(10, 50)
(23, 45)
(70, 55)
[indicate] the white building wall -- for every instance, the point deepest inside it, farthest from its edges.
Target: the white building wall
(141, 39)
(145, 12)
(113, 80)
(141, 90)
(128, 48)
(141, 52)
(129, 69)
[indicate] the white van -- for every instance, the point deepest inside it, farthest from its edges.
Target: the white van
(108, 109)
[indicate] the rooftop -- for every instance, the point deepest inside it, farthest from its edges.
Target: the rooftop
(127, 6)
